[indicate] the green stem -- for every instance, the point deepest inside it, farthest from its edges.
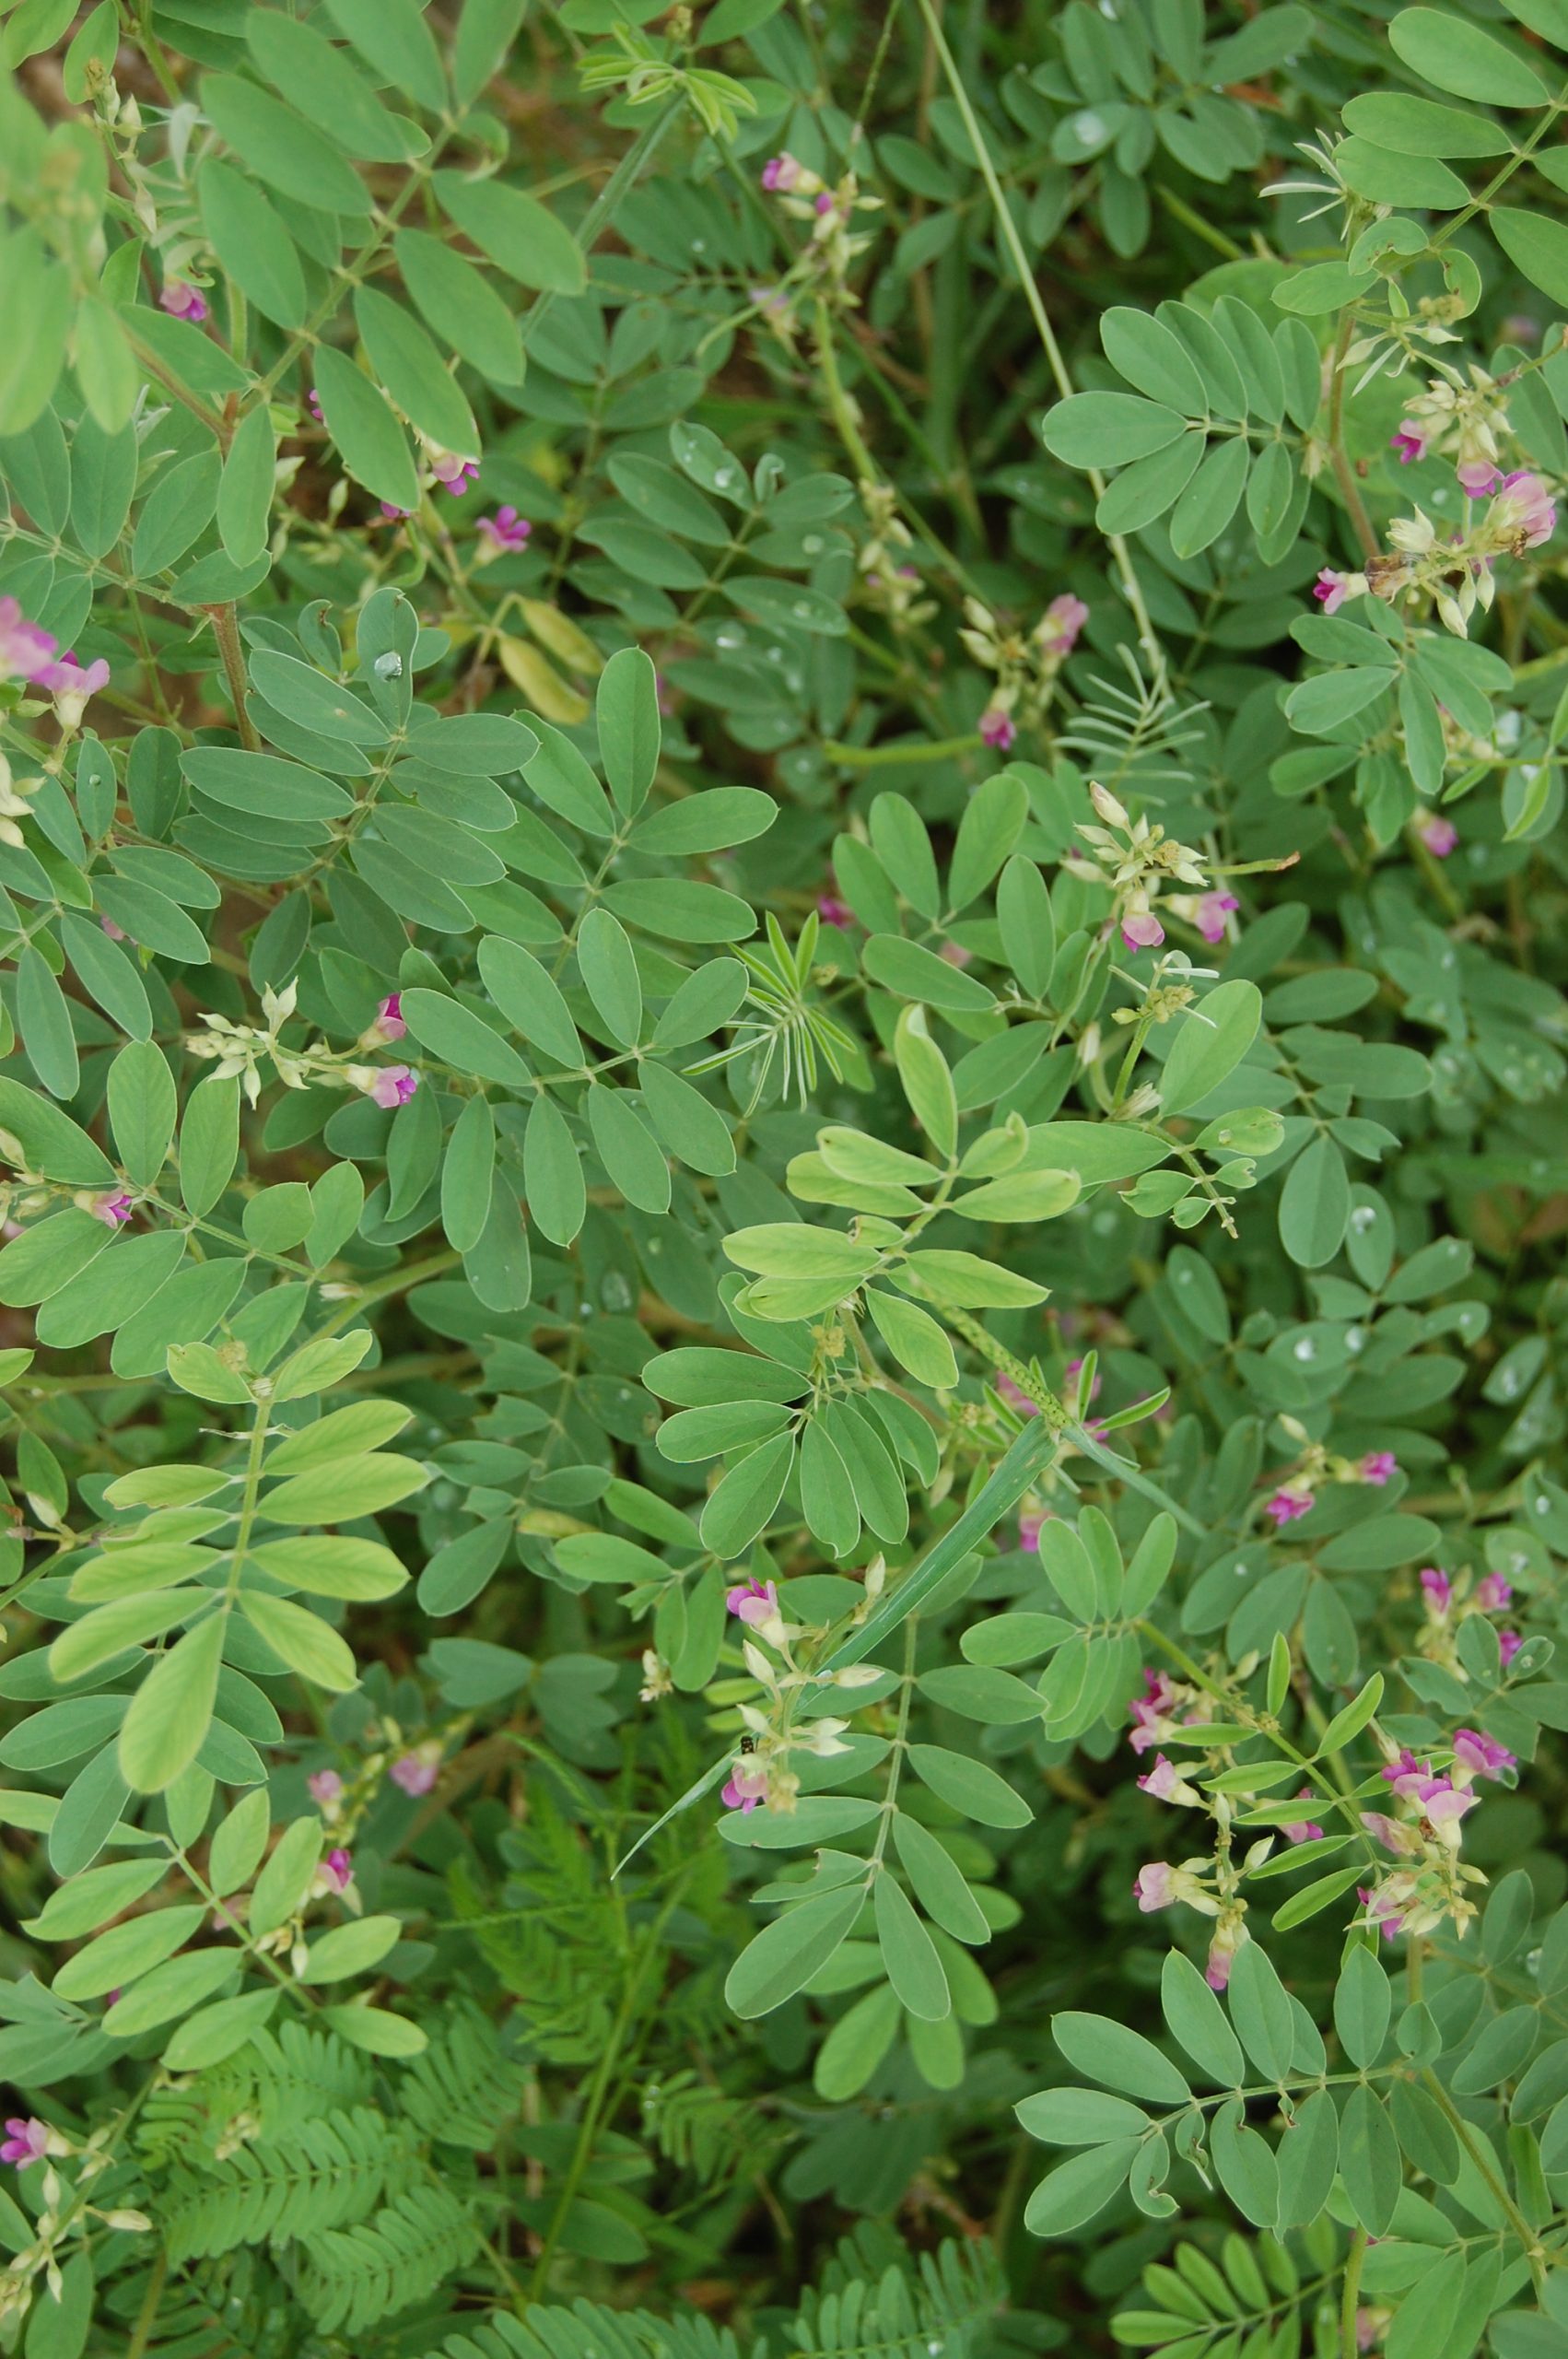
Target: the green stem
(1350, 2299)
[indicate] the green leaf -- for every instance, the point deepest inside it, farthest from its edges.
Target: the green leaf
(1260, 2010)
(142, 1110)
(785, 1955)
(459, 304)
(350, 1949)
(1412, 127)
(410, 367)
(1108, 429)
(1213, 1038)
(1315, 1205)
(245, 492)
(908, 1952)
(1078, 2189)
(1537, 245)
(166, 1724)
(393, 37)
(1455, 54)
(305, 1642)
(1363, 2002)
(252, 245)
(1142, 493)
(608, 967)
(324, 84)
(741, 1506)
(1369, 2160)
(276, 143)
(627, 711)
(914, 1338)
(515, 231)
(374, 447)
(969, 1787)
(1198, 2022)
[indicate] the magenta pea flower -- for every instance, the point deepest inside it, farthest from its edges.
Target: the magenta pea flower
(1029, 1526)
(1155, 1886)
(1481, 1754)
(1440, 836)
(1287, 1505)
(996, 728)
(183, 301)
(1379, 1466)
(26, 651)
(26, 2140)
(833, 911)
(387, 1085)
(781, 173)
(1381, 1913)
(456, 473)
(1508, 1645)
(1479, 478)
(1141, 929)
(1493, 1594)
(745, 1788)
(1333, 588)
(1057, 632)
(754, 1602)
(1523, 509)
(313, 400)
(336, 1871)
(114, 1209)
(505, 529)
(1302, 1830)
(1228, 1938)
(394, 515)
(324, 1786)
(417, 1772)
(1438, 1591)
(1409, 442)
(1210, 913)
(72, 686)
(390, 1018)
(1166, 1784)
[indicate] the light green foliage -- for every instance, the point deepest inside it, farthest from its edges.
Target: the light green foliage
(752, 1091)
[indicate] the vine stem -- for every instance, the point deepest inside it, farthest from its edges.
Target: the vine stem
(1350, 2299)
(1535, 2259)
(225, 629)
(1008, 229)
(1344, 473)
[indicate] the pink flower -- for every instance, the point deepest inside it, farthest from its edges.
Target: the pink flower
(115, 1210)
(394, 515)
(1016, 1398)
(25, 649)
(115, 932)
(1210, 912)
(1392, 1833)
(26, 2140)
(746, 1786)
(1075, 1368)
(1056, 633)
(1493, 1594)
(1029, 1525)
(455, 473)
(389, 1018)
(183, 301)
(1523, 509)
(955, 954)
(1333, 588)
(315, 399)
(781, 173)
(1229, 1936)
(996, 728)
(823, 202)
(1439, 836)
(1141, 929)
(417, 1772)
(1479, 478)
(1380, 1912)
(1379, 1466)
(506, 529)
(753, 1603)
(833, 911)
(1302, 1830)
(324, 1786)
(391, 1086)
(1153, 1714)
(1166, 1784)
(1439, 1592)
(1155, 1887)
(1287, 1505)
(68, 678)
(1481, 1755)
(336, 1872)
(1508, 1645)
(1409, 442)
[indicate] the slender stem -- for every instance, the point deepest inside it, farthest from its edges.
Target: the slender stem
(1484, 2161)
(1153, 653)
(1344, 473)
(1350, 2299)
(225, 629)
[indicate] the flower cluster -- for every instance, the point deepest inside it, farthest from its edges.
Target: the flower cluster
(241, 1048)
(1139, 858)
(1026, 665)
(825, 266)
(31, 654)
(1455, 420)
(1429, 1884)
(1296, 1497)
(1458, 573)
(1449, 1602)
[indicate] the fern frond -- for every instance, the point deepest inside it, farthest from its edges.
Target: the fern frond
(588, 2331)
(1140, 731)
(464, 2087)
(353, 2276)
(320, 2176)
(943, 2300)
